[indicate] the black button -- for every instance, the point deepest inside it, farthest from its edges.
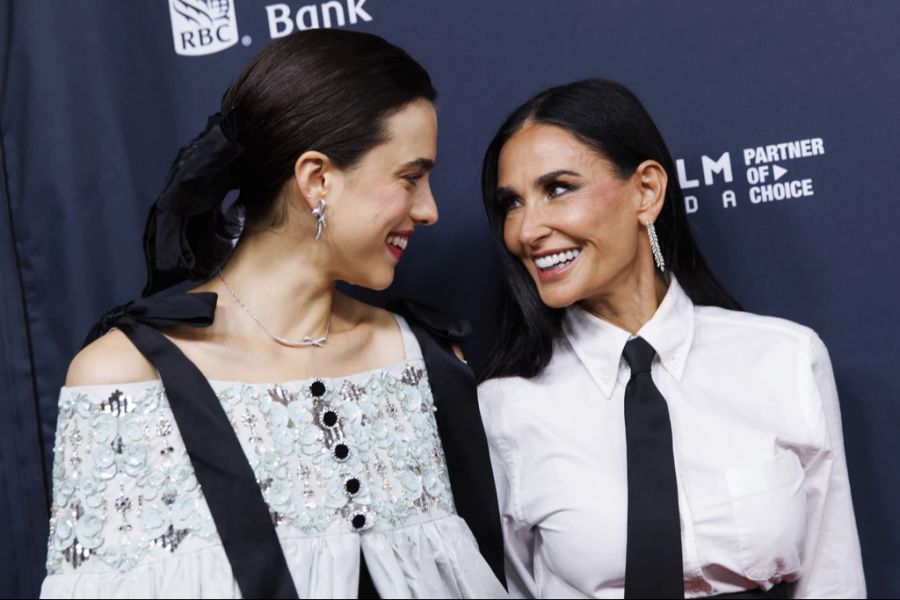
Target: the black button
(352, 486)
(341, 451)
(330, 418)
(317, 389)
(359, 521)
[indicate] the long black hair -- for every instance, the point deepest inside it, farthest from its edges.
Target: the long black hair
(610, 119)
(328, 90)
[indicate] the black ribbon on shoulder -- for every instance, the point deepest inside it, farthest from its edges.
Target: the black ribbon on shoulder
(190, 206)
(229, 485)
(436, 322)
(459, 425)
(196, 309)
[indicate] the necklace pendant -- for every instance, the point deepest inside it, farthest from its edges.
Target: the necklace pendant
(307, 341)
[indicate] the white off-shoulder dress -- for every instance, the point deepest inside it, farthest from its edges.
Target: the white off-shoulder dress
(347, 465)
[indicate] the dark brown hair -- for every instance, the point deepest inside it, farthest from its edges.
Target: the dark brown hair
(609, 118)
(328, 90)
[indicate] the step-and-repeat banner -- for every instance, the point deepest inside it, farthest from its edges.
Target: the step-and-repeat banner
(783, 118)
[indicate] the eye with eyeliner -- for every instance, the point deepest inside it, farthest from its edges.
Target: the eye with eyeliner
(553, 188)
(413, 171)
(413, 179)
(508, 202)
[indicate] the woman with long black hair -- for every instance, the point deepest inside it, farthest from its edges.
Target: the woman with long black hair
(649, 438)
(263, 435)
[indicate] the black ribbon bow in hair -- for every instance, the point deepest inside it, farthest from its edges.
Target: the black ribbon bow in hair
(196, 309)
(204, 171)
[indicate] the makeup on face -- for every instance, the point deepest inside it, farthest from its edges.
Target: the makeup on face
(568, 214)
(386, 197)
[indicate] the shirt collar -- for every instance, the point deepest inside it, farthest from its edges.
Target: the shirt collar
(599, 344)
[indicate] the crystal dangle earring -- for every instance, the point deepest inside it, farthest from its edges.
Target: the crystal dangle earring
(319, 213)
(654, 246)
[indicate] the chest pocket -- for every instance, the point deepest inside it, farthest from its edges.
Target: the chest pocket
(770, 513)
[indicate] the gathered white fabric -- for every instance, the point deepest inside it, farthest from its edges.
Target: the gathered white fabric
(432, 559)
(345, 465)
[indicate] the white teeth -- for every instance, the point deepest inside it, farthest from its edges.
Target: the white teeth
(545, 262)
(398, 240)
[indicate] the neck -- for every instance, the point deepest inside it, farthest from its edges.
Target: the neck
(631, 301)
(281, 284)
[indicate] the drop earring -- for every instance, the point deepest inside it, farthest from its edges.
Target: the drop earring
(654, 246)
(319, 213)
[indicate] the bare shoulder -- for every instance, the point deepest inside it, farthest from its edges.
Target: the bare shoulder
(109, 359)
(372, 334)
(387, 321)
(380, 322)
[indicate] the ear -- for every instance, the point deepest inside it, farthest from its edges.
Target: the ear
(651, 180)
(313, 173)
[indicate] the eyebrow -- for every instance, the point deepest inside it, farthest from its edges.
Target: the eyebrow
(540, 182)
(546, 178)
(425, 164)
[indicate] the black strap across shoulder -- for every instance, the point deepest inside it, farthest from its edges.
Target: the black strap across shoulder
(229, 485)
(460, 427)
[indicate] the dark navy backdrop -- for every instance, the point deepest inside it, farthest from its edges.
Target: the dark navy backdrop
(96, 101)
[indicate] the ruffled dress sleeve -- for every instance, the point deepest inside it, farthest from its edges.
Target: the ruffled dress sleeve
(127, 513)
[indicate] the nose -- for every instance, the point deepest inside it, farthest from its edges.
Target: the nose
(533, 226)
(424, 210)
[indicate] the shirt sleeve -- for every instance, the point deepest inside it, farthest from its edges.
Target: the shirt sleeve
(832, 560)
(518, 537)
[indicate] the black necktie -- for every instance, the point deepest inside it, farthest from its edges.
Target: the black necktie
(653, 566)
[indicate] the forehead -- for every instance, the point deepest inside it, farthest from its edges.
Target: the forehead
(538, 148)
(411, 133)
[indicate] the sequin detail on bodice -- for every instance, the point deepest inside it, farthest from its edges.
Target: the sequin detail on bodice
(331, 455)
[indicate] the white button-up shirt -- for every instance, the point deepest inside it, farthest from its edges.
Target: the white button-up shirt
(763, 490)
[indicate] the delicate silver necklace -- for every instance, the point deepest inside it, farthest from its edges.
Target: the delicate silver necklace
(307, 341)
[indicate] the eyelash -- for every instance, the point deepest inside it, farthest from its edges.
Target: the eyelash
(509, 203)
(554, 185)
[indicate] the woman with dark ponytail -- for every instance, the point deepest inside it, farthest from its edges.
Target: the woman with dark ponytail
(263, 435)
(649, 439)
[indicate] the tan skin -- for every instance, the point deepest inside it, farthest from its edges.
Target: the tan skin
(562, 195)
(288, 279)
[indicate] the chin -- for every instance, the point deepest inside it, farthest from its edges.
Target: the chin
(376, 281)
(558, 298)
(380, 286)
(558, 301)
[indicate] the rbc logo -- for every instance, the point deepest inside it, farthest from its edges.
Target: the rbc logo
(203, 26)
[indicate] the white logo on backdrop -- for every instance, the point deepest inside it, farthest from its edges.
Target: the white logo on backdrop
(203, 26)
(768, 179)
(315, 16)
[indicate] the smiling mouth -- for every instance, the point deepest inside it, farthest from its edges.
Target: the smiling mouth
(554, 263)
(398, 241)
(396, 244)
